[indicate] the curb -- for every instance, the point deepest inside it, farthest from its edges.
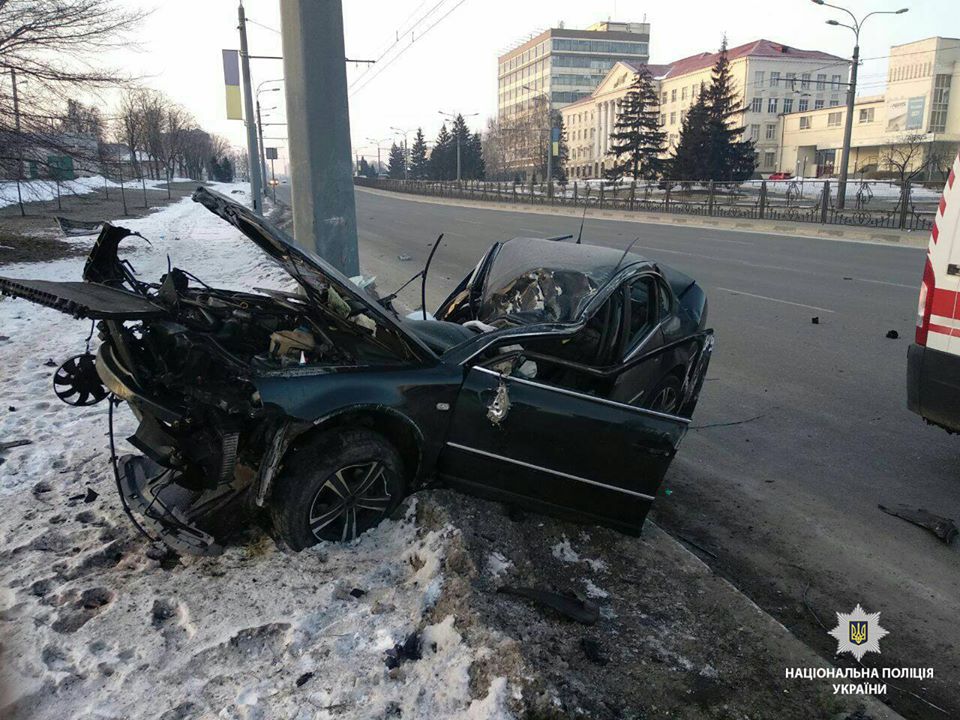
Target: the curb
(897, 238)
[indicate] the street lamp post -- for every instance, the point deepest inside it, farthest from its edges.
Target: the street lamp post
(377, 143)
(406, 160)
(454, 116)
(263, 156)
(851, 87)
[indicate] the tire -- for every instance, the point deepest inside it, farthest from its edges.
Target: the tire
(336, 487)
(665, 398)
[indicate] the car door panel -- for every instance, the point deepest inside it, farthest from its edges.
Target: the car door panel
(556, 450)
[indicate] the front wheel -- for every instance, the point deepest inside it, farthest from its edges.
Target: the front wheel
(336, 487)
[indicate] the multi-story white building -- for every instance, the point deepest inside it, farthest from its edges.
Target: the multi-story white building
(565, 65)
(770, 78)
(912, 120)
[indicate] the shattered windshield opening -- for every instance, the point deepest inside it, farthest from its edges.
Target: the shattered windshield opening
(522, 288)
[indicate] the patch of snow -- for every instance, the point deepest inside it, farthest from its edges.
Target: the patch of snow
(564, 551)
(594, 591)
(497, 564)
(93, 626)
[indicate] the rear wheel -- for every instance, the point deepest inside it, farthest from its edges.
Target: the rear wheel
(336, 487)
(665, 397)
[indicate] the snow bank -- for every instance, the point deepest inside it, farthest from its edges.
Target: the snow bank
(94, 623)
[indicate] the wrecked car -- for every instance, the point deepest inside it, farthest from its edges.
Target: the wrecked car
(557, 376)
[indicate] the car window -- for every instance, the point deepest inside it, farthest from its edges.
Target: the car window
(666, 301)
(643, 308)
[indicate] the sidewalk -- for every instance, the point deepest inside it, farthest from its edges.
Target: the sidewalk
(673, 639)
(773, 227)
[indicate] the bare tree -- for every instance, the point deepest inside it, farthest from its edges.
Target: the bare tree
(940, 160)
(50, 49)
(906, 156)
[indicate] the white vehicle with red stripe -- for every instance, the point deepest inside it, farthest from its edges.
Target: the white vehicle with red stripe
(933, 361)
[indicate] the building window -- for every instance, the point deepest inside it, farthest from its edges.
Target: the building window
(941, 98)
(821, 81)
(683, 93)
(834, 119)
(663, 98)
(792, 81)
(834, 102)
(788, 105)
(663, 118)
(772, 104)
(758, 78)
(754, 132)
(769, 158)
(805, 81)
(866, 115)
(673, 95)
(771, 131)
(774, 79)
(818, 104)
(805, 122)
(802, 105)
(756, 105)
(673, 118)
(835, 82)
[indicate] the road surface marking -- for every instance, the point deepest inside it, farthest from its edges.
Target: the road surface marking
(778, 300)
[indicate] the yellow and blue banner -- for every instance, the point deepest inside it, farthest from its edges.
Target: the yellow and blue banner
(231, 78)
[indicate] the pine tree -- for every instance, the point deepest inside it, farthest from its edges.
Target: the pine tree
(366, 169)
(475, 168)
(397, 162)
(440, 157)
(638, 141)
(563, 153)
(689, 156)
(460, 134)
(419, 169)
(728, 156)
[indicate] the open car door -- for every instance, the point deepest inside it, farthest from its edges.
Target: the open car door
(557, 451)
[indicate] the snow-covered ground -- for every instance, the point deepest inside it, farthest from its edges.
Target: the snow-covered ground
(46, 190)
(95, 623)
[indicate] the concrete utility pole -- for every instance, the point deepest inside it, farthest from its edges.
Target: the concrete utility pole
(851, 89)
(263, 157)
(253, 159)
(318, 128)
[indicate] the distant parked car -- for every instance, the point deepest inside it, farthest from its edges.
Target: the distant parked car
(780, 176)
(557, 376)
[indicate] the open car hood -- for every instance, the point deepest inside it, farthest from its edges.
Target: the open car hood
(311, 272)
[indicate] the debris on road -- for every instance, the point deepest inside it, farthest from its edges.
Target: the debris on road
(815, 320)
(404, 258)
(944, 528)
(576, 608)
(78, 227)
(893, 334)
(593, 651)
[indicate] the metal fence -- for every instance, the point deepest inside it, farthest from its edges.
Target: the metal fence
(878, 204)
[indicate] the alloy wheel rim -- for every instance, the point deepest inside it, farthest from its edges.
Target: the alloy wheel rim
(666, 400)
(352, 491)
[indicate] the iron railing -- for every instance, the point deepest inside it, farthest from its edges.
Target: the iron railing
(878, 204)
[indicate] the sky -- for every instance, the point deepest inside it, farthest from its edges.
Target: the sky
(451, 65)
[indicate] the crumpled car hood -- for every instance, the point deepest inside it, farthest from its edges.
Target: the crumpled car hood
(309, 270)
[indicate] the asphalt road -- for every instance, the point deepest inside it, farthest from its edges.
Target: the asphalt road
(802, 429)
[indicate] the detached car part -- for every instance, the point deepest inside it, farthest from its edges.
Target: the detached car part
(557, 377)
